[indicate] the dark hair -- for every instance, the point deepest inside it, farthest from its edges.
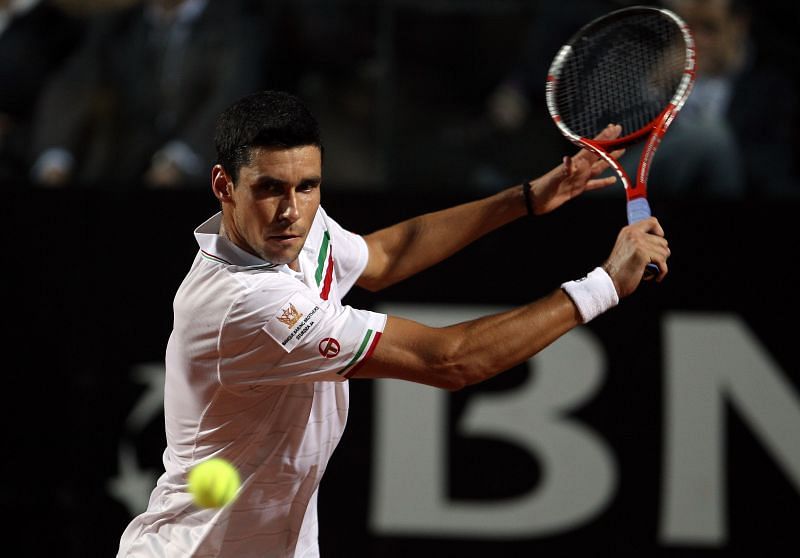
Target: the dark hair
(263, 119)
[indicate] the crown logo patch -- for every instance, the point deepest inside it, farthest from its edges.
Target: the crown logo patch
(290, 316)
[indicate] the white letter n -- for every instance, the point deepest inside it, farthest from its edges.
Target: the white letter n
(711, 360)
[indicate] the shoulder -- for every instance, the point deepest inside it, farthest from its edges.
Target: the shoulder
(323, 222)
(266, 288)
(213, 283)
(322, 229)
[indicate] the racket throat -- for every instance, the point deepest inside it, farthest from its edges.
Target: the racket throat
(639, 188)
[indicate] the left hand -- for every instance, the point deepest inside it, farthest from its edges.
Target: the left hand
(574, 176)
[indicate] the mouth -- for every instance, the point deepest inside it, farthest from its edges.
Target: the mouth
(283, 238)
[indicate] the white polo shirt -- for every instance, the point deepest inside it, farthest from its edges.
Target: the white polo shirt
(256, 370)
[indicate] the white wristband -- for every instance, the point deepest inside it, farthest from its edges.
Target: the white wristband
(593, 294)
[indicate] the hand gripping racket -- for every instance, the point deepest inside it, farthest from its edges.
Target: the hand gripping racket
(634, 67)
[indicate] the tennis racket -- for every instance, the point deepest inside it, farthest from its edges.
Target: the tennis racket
(634, 67)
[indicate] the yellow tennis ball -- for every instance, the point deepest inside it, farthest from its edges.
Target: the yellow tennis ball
(213, 483)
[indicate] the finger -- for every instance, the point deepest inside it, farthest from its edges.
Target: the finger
(650, 225)
(599, 166)
(663, 270)
(605, 134)
(658, 246)
(610, 132)
(596, 183)
(655, 251)
(659, 253)
(596, 160)
(567, 166)
(655, 227)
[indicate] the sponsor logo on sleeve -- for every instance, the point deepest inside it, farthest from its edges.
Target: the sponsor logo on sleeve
(296, 318)
(289, 316)
(329, 347)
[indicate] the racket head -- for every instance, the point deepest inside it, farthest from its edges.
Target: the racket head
(634, 67)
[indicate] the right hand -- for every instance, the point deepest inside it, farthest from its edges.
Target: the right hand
(637, 245)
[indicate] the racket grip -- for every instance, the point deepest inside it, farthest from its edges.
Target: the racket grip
(639, 209)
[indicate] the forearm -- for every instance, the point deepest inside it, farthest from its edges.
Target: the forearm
(404, 249)
(470, 352)
(493, 344)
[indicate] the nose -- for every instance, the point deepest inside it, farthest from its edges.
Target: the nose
(287, 210)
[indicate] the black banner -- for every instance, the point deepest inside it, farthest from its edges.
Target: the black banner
(668, 426)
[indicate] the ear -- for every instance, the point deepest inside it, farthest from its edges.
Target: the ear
(221, 184)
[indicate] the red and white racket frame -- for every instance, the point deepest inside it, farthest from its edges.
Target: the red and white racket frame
(635, 192)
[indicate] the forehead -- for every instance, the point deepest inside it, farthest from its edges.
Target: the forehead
(282, 162)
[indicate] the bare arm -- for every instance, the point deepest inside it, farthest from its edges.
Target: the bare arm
(470, 352)
(400, 251)
(467, 353)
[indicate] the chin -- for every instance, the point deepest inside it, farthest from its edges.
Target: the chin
(281, 258)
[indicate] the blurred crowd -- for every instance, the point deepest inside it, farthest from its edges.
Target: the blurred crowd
(411, 94)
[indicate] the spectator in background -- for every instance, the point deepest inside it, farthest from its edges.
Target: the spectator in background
(735, 134)
(332, 61)
(137, 104)
(36, 36)
(700, 156)
(522, 91)
(745, 101)
(515, 115)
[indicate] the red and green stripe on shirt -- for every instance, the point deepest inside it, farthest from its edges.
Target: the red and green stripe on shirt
(324, 273)
(368, 344)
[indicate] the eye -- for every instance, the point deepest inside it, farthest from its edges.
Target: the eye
(269, 188)
(307, 186)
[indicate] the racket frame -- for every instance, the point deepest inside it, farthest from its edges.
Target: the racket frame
(655, 129)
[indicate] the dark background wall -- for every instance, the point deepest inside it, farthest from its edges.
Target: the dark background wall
(678, 434)
(91, 277)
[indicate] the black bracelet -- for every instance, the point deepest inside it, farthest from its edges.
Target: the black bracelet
(526, 190)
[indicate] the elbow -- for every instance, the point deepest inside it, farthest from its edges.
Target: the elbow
(370, 285)
(372, 282)
(454, 371)
(451, 382)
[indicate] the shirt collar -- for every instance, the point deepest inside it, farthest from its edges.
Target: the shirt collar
(219, 248)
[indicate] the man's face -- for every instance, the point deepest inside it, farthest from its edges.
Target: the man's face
(270, 211)
(718, 32)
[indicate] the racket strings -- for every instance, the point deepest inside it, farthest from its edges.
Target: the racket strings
(625, 71)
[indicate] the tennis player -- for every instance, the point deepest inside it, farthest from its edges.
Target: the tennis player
(258, 362)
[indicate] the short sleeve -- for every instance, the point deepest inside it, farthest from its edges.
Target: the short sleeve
(287, 335)
(352, 254)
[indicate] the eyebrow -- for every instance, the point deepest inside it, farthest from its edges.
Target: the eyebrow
(267, 180)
